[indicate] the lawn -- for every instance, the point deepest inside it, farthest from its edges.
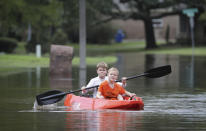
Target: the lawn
(32, 61)
(12, 60)
(96, 49)
(198, 51)
(21, 59)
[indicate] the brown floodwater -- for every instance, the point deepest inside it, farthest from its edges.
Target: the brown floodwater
(173, 102)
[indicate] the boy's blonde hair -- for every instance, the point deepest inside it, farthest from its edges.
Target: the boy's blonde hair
(113, 69)
(102, 65)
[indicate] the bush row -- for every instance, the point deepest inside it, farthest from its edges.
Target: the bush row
(7, 45)
(102, 34)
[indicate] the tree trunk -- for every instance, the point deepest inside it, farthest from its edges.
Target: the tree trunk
(149, 33)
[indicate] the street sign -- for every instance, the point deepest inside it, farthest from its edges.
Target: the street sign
(190, 12)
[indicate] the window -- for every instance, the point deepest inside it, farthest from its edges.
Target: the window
(157, 23)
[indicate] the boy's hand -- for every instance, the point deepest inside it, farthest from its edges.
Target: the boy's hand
(99, 95)
(132, 94)
(83, 89)
(124, 80)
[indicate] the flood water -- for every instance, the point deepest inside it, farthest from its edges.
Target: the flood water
(173, 102)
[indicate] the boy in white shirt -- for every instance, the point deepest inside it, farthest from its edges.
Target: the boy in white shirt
(101, 72)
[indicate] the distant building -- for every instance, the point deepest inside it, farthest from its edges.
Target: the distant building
(134, 29)
(176, 26)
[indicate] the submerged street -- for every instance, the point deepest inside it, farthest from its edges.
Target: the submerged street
(174, 102)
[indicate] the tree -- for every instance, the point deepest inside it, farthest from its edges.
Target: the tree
(147, 10)
(45, 18)
(16, 15)
(94, 13)
(203, 15)
(11, 13)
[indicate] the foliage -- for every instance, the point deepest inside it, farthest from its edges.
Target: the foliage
(203, 17)
(183, 40)
(44, 40)
(44, 24)
(167, 34)
(11, 13)
(146, 10)
(20, 49)
(59, 38)
(43, 16)
(54, 20)
(7, 44)
(96, 32)
(102, 34)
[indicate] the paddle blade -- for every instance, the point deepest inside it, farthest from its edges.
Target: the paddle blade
(49, 97)
(158, 72)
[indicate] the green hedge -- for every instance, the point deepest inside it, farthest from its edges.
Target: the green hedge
(7, 45)
(102, 34)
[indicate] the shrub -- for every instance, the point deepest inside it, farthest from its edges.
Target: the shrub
(102, 34)
(7, 44)
(44, 42)
(167, 34)
(59, 38)
(98, 34)
(72, 33)
(183, 40)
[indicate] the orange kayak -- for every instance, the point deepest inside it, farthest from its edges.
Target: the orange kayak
(80, 103)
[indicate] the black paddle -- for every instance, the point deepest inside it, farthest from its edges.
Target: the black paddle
(153, 73)
(54, 96)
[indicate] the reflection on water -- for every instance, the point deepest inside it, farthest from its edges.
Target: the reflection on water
(103, 120)
(38, 76)
(173, 102)
(82, 77)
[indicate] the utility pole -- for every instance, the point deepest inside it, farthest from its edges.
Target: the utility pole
(82, 42)
(82, 34)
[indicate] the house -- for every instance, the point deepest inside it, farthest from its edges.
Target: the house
(134, 29)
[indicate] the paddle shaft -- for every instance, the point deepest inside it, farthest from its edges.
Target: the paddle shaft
(133, 77)
(65, 93)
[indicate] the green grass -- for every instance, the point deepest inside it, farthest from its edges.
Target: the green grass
(25, 61)
(95, 60)
(20, 48)
(21, 59)
(198, 51)
(140, 47)
(110, 48)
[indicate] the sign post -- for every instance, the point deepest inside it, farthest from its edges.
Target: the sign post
(190, 13)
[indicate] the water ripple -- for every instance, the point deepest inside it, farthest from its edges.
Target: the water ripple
(181, 104)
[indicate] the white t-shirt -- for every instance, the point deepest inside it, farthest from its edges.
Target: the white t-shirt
(97, 81)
